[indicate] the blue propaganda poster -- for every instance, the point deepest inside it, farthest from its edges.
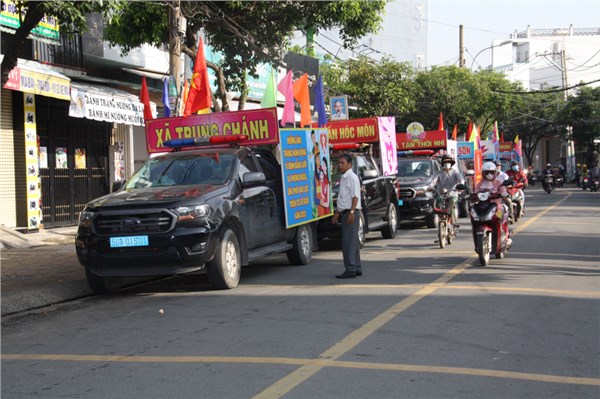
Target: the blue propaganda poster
(306, 175)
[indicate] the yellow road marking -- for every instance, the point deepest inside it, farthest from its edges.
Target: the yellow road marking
(316, 362)
(289, 382)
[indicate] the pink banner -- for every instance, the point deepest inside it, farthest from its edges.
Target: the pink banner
(259, 125)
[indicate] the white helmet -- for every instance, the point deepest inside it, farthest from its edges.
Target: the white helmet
(488, 166)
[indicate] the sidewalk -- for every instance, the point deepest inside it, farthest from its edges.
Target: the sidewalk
(39, 269)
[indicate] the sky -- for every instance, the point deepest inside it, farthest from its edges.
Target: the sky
(486, 20)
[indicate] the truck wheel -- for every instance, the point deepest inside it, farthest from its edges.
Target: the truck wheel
(432, 220)
(362, 235)
(101, 284)
(225, 269)
(389, 231)
(301, 253)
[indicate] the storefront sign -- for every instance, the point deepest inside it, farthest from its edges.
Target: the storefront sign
(306, 171)
(33, 77)
(9, 16)
(32, 164)
(259, 125)
(104, 104)
(433, 139)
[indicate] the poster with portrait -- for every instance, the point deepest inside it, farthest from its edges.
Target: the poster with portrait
(79, 158)
(306, 171)
(339, 108)
(61, 158)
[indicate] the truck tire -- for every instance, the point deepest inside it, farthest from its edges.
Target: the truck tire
(432, 220)
(389, 231)
(101, 284)
(301, 253)
(225, 269)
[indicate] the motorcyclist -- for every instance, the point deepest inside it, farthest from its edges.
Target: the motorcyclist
(520, 181)
(577, 175)
(490, 182)
(547, 171)
(501, 175)
(447, 178)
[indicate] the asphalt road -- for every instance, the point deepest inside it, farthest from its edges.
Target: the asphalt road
(421, 323)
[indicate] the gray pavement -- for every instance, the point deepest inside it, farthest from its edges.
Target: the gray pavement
(39, 269)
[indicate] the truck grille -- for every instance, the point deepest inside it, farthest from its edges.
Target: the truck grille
(407, 193)
(125, 222)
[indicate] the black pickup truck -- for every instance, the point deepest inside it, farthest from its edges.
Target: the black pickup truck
(379, 199)
(415, 175)
(215, 209)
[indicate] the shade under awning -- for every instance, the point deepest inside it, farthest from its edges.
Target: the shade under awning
(106, 104)
(32, 77)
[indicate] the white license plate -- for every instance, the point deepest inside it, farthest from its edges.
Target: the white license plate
(131, 241)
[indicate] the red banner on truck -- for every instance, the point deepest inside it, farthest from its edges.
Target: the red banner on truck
(427, 140)
(259, 125)
(364, 130)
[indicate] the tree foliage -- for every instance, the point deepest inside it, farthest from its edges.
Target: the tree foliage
(582, 113)
(71, 16)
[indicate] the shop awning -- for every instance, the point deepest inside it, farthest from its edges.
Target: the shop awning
(106, 104)
(32, 77)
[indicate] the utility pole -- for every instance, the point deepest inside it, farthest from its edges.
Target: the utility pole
(461, 46)
(570, 159)
(176, 27)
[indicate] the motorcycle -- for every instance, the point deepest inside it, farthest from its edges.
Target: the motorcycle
(447, 230)
(489, 223)
(585, 183)
(560, 182)
(595, 184)
(518, 201)
(548, 183)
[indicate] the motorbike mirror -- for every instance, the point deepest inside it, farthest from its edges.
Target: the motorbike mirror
(470, 172)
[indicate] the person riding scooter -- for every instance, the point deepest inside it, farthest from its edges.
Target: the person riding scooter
(520, 182)
(490, 182)
(548, 186)
(447, 178)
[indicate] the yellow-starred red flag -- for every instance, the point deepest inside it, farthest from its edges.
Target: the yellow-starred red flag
(303, 97)
(200, 96)
(145, 99)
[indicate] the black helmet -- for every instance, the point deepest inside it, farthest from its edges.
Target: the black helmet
(498, 163)
(448, 158)
(513, 163)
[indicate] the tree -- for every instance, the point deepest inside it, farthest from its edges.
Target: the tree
(381, 88)
(582, 112)
(246, 33)
(71, 15)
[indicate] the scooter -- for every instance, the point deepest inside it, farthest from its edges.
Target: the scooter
(518, 200)
(585, 183)
(490, 223)
(548, 183)
(595, 184)
(447, 230)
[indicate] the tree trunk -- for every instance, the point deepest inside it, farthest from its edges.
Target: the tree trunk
(15, 47)
(243, 90)
(175, 20)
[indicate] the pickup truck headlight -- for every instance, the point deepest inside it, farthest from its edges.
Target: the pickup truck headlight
(86, 218)
(192, 213)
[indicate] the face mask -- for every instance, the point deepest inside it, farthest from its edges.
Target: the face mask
(447, 166)
(515, 168)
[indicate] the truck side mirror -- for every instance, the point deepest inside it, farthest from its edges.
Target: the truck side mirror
(117, 185)
(369, 174)
(253, 178)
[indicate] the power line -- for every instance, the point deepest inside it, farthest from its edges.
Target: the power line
(546, 91)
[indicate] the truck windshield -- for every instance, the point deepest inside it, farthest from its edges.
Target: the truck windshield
(192, 169)
(414, 168)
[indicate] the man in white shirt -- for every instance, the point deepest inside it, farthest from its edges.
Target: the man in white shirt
(348, 206)
(501, 175)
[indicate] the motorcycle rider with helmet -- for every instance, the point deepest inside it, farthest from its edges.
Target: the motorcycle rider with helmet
(520, 181)
(447, 178)
(492, 183)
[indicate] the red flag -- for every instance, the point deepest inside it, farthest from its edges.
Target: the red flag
(469, 131)
(301, 95)
(454, 132)
(200, 96)
(441, 124)
(145, 99)
(502, 137)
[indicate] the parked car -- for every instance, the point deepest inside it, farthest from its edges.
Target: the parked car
(415, 175)
(378, 197)
(212, 209)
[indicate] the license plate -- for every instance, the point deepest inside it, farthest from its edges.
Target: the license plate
(131, 241)
(400, 202)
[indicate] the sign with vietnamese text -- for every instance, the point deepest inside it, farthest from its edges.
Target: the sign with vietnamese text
(306, 172)
(259, 125)
(26, 80)
(362, 130)
(9, 16)
(105, 107)
(465, 150)
(427, 140)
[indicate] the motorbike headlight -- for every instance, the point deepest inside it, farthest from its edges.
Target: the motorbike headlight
(86, 218)
(192, 213)
(483, 196)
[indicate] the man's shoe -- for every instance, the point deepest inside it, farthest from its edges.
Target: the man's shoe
(346, 275)
(358, 273)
